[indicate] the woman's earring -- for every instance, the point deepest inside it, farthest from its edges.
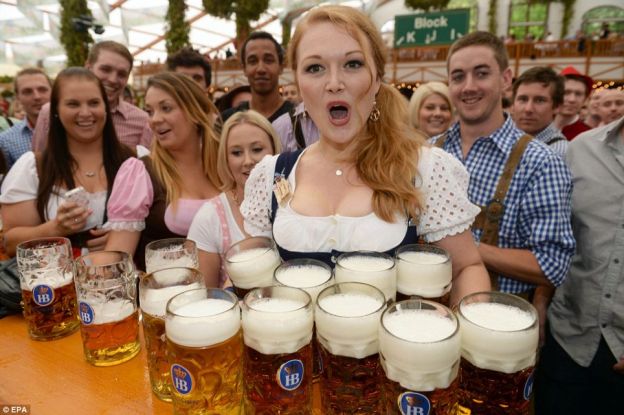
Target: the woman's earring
(375, 113)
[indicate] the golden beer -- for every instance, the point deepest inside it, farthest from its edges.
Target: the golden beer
(277, 330)
(48, 292)
(155, 290)
(499, 347)
(106, 290)
(419, 349)
(204, 350)
(424, 271)
(113, 342)
(56, 319)
(347, 323)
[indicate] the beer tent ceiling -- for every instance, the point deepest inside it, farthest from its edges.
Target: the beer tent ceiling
(29, 29)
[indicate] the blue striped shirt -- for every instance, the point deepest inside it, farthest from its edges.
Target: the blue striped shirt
(16, 141)
(537, 205)
(554, 138)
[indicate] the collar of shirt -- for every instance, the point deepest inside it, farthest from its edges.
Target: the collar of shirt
(123, 109)
(613, 130)
(24, 127)
(504, 137)
(547, 133)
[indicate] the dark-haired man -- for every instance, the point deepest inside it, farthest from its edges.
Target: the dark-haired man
(263, 62)
(32, 90)
(537, 94)
(522, 186)
(111, 62)
(189, 62)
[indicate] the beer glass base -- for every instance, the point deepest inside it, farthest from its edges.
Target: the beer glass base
(62, 330)
(442, 401)
(484, 391)
(114, 355)
(350, 385)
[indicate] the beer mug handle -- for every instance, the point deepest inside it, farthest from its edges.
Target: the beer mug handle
(132, 286)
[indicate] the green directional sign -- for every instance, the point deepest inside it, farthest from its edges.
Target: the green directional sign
(437, 28)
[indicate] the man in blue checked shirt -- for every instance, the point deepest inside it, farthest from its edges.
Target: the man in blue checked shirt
(32, 90)
(535, 241)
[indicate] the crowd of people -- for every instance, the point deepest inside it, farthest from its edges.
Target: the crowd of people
(526, 200)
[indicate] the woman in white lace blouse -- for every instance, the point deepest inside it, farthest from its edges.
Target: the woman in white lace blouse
(370, 171)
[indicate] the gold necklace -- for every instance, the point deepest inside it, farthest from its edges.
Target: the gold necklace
(234, 197)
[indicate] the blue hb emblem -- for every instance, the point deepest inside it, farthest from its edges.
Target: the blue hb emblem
(43, 295)
(290, 375)
(182, 379)
(528, 387)
(412, 403)
(86, 313)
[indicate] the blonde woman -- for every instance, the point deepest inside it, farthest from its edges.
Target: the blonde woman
(157, 196)
(430, 109)
(359, 185)
(245, 139)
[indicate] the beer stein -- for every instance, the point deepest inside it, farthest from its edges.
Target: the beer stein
(155, 290)
(277, 330)
(312, 276)
(107, 306)
(500, 334)
(374, 268)
(204, 350)
(424, 271)
(48, 293)
(170, 253)
(347, 323)
(250, 263)
(419, 350)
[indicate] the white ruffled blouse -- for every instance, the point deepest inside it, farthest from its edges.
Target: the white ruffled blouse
(447, 211)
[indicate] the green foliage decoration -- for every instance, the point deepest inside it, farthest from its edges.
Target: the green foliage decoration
(76, 44)
(178, 29)
(566, 19)
(492, 10)
(246, 11)
(427, 4)
(286, 33)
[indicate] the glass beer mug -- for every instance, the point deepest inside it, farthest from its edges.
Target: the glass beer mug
(347, 323)
(424, 271)
(169, 253)
(375, 268)
(48, 293)
(277, 330)
(204, 349)
(107, 306)
(500, 333)
(155, 290)
(419, 349)
(250, 263)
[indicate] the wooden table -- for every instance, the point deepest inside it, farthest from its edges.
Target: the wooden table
(53, 377)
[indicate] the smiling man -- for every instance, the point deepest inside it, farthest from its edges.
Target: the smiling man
(32, 91)
(523, 187)
(263, 62)
(537, 94)
(111, 62)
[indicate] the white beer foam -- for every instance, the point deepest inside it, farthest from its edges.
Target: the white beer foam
(277, 325)
(52, 277)
(109, 310)
(352, 327)
(498, 337)
(154, 300)
(419, 354)
(311, 278)
(423, 273)
(203, 323)
(156, 263)
(253, 267)
(376, 271)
